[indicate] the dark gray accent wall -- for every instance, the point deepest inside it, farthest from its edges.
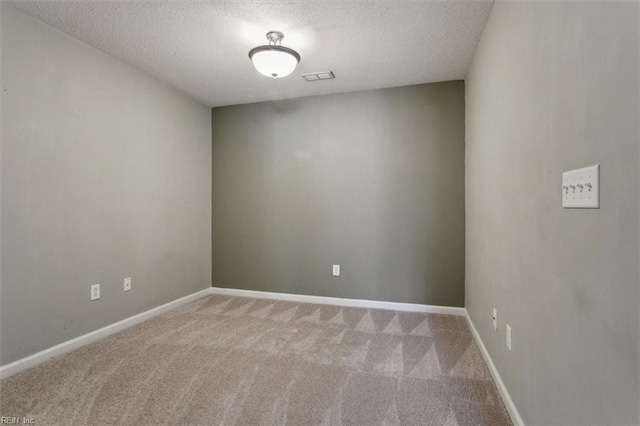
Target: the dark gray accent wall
(373, 181)
(554, 86)
(106, 174)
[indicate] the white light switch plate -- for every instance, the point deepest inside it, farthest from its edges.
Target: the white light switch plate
(127, 284)
(581, 188)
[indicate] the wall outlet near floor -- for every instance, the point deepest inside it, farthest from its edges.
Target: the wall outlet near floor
(127, 284)
(95, 292)
(336, 270)
(509, 336)
(495, 319)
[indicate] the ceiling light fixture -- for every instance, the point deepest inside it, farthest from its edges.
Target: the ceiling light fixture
(274, 60)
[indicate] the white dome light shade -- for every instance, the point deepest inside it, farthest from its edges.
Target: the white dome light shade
(273, 60)
(274, 63)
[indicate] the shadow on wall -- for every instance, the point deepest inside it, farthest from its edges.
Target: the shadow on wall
(421, 198)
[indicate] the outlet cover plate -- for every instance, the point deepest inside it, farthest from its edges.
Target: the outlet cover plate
(95, 292)
(336, 270)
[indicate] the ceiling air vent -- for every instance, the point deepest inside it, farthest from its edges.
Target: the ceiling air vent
(317, 76)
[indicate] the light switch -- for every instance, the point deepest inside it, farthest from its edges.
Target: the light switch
(581, 188)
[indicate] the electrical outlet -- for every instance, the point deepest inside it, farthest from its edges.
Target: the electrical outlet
(495, 319)
(127, 284)
(336, 270)
(509, 336)
(95, 292)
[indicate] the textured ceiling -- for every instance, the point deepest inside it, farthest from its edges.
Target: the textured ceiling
(201, 47)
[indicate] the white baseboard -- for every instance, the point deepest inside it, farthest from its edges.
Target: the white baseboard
(357, 303)
(64, 347)
(504, 393)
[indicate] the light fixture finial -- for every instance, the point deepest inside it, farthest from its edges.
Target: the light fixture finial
(275, 37)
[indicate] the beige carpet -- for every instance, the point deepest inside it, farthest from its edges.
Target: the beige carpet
(230, 360)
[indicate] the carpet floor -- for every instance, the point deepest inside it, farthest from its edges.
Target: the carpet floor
(240, 361)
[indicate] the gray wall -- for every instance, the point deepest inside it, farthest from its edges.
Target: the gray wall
(373, 181)
(553, 87)
(106, 174)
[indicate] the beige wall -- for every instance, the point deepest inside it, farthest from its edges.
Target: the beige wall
(371, 180)
(554, 87)
(106, 174)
